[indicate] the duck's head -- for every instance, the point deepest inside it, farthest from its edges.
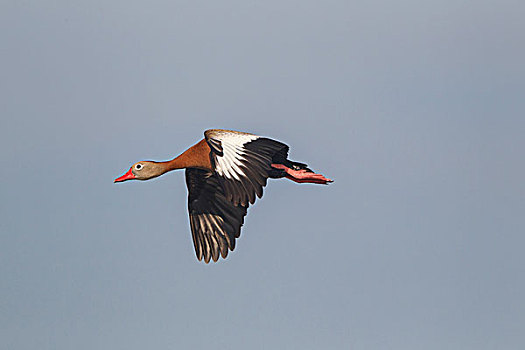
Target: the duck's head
(143, 170)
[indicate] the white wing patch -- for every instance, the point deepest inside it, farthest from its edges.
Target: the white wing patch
(242, 162)
(229, 165)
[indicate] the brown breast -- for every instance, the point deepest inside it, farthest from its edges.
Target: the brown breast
(197, 156)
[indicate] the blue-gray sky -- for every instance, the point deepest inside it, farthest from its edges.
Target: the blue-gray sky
(415, 108)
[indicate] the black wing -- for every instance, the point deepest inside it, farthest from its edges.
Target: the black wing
(242, 162)
(215, 221)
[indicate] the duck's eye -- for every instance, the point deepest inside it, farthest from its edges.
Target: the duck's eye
(138, 166)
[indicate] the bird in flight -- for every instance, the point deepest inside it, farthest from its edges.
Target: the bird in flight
(225, 172)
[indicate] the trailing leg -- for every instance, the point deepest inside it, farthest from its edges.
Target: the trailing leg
(302, 175)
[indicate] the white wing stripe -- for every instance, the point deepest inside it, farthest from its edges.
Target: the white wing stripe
(229, 165)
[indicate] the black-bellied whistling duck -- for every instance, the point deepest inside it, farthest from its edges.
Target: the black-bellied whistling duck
(224, 173)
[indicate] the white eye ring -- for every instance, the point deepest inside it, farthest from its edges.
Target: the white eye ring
(138, 166)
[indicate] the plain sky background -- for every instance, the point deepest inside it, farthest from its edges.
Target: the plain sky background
(415, 108)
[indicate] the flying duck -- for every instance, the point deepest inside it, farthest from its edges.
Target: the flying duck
(224, 173)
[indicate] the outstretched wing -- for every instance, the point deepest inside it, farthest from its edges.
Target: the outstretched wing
(215, 221)
(242, 162)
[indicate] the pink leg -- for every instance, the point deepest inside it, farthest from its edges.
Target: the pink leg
(303, 176)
